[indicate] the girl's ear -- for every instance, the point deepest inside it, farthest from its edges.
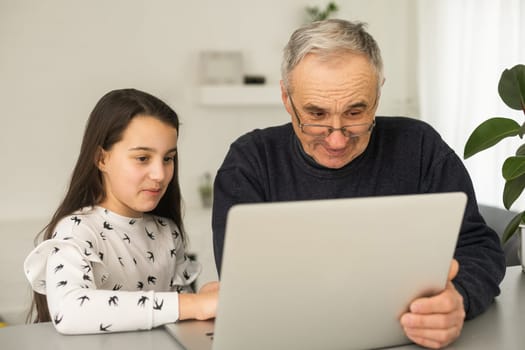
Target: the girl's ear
(100, 158)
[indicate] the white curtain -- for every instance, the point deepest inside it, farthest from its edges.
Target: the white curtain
(464, 45)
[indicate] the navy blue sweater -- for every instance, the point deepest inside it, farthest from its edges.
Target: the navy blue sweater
(404, 156)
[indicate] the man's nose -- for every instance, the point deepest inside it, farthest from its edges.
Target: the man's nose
(336, 139)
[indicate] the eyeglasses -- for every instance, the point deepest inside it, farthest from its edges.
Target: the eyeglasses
(317, 130)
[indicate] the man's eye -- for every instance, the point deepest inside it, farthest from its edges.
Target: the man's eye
(317, 114)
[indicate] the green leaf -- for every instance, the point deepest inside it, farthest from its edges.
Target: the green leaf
(489, 133)
(521, 151)
(512, 226)
(332, 7)
(513, 167)
(513, 189)
(511, 87)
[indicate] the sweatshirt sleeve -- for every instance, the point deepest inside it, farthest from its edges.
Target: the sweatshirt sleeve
(78, 307)
(237, 181)
(478, 250)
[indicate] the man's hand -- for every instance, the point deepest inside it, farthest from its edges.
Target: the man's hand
(436, 321)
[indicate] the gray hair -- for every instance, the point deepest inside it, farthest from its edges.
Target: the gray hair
(329, 37)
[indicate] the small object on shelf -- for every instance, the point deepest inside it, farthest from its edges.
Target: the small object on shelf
(254, 79)
(221, 67)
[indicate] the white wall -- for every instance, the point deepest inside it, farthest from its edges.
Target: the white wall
(58, 57)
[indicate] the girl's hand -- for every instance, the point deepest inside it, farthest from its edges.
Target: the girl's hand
(200, 306)
(209, 287)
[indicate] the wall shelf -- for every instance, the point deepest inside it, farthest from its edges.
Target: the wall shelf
(240, 95)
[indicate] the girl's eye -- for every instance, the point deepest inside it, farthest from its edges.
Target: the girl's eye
(142, 159)
(169, 159)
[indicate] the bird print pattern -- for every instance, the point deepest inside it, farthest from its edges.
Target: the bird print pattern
(102, 272)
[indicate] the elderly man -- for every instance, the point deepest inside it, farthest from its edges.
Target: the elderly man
(336, 146)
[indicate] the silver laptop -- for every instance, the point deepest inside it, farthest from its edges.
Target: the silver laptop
(327, 274)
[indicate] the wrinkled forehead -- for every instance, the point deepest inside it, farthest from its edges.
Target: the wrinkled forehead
(339, 70)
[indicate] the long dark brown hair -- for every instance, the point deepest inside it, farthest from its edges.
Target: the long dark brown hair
(105, 126)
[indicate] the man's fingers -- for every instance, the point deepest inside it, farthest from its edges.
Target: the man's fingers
(436, 321)
(445, 302)
(453, 271)
(433, 338)
(435, 330)
(432, 321)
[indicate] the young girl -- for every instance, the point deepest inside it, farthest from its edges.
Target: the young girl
(113, 256)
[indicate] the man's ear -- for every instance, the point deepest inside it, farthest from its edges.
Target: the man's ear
(101, 157)
(285, 99)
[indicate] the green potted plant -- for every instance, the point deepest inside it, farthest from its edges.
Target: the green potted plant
(316, 14)
(206, 190)
(511, 89)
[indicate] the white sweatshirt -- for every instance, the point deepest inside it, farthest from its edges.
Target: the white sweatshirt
(102, 272)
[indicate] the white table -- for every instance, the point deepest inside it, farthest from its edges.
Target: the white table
(502, 326)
